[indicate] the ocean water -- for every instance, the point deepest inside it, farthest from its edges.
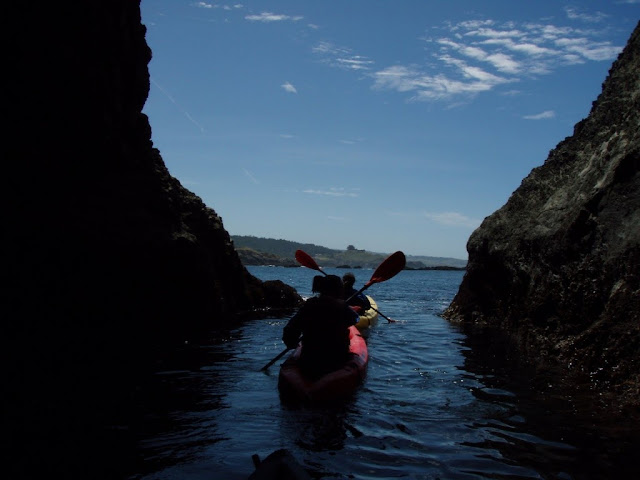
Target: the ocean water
(434, 405)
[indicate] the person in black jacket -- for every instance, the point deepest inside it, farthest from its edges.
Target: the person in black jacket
(351, 294)
(323, 321)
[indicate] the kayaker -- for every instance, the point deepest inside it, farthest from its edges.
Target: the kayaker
(355, 299)
(323, 321)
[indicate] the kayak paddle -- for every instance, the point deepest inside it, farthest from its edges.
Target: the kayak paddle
(275, 359)
(389, 268)
(390, 320)
(306, 260)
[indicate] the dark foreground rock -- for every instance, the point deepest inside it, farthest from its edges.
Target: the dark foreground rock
(107, 258)
(557, 268)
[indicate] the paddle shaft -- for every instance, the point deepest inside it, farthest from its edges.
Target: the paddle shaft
(390, 320)
(358, 292)
(275, 359)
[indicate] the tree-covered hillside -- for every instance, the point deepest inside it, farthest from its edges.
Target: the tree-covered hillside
(282, 248)
(261, 251)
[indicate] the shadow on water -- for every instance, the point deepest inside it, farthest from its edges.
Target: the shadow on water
(543, 423)
(175, 408)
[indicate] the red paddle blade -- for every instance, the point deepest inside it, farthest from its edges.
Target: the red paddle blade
(306, 260)
(391, 266)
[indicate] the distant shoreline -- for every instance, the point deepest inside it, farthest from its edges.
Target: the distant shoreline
(269, 251)
(343, 267)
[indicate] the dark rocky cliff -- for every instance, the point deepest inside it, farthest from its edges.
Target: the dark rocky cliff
(557, 267)
(106, 256)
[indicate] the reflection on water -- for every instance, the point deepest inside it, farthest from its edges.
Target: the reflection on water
(177, 409)
(318, 429)
(541, 423)
(434, 404)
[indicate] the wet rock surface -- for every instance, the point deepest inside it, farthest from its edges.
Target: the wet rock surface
(556, 269)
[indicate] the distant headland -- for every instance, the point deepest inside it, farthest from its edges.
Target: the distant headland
(268, 251)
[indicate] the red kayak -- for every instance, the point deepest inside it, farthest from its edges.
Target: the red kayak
(334, 385)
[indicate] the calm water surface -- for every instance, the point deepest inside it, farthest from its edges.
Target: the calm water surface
(431, 405)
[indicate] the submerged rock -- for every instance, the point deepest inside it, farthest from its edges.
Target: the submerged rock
(557, 267)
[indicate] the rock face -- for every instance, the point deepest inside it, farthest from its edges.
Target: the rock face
(557, 267)
(106, 255)
(100, 232)
(99, 228)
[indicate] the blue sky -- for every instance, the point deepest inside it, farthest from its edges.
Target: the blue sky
(387, 125)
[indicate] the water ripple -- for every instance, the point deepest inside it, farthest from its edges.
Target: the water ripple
(431, 406)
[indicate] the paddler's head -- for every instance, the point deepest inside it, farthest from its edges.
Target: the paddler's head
(330, 285)
(348, 279)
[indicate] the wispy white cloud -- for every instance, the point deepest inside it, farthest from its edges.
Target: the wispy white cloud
(501, 61)
(351, 141)
(332, 192)
(482, 55)
(434, 87)
(341, 57)
(178, 106)
(593, 51)
(250, 176)
(511, 93)
(541, 116)
(452, 219)
(188, 181)
(356, 62)
(492, 33)
(574, 14)
(207, 5)
(268, 17)
(286, 135)
(449, 219)
(288, 87)
(472, 72)
(338, 219)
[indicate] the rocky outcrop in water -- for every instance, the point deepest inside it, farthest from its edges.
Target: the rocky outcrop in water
(106, 255)
(557, 267)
